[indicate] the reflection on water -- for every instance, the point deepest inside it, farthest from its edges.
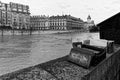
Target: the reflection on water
(18, 51)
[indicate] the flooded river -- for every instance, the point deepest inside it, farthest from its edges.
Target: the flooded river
(20, 51)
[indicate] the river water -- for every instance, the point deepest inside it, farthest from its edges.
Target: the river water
(20, 51)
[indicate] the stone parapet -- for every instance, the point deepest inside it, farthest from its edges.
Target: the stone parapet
(62, 69)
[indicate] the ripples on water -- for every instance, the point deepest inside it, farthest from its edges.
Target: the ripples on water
(18, 51)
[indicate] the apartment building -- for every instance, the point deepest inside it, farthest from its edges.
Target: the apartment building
(40, 22)
(14, 15)
(64, 22)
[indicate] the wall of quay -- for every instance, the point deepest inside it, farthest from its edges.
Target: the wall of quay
(108, 69)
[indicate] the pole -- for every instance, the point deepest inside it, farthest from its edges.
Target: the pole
(22, 31)
(2, 30)
(30, 30)
(13, 31)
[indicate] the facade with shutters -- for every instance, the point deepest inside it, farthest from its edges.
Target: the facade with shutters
(64, 22)
(14, 15)
(40, 22)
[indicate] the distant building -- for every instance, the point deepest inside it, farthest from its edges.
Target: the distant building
(20, 16)
(89, 23)
(40, 22)
(14, 15)
(3, 13)
(0, 17)
(65, 22)
(8, 15)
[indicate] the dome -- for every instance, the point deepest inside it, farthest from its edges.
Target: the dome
(88, 17)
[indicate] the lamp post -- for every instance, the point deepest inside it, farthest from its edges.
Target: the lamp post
(2, 27)
(31, 30)
(13, 27)
(2, 30)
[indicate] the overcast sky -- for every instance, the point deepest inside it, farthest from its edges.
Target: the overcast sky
(98, 9)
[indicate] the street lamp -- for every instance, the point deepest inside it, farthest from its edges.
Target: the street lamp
(2, 26)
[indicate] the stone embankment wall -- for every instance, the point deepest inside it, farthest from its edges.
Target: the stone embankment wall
(109, 69)
(61, 69)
